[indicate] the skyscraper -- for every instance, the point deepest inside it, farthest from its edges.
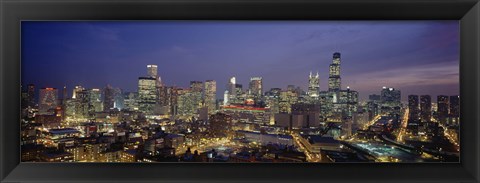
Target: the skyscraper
(455, 108)
(313, 85)
(95, 99)
(189, 102)
(255, 87)
(390, 99)
(196, 86)
(442, 108)
(77, 89)
(152, 71)
(413, 110)
(24, 97)
(147, 94)
(119, 99)
(47, 100)
(225, 98)
(31, 95)
(231, 87)
(109, 98)
(334, 79)
(390, 95)
(425, 108)
(64, 95)
(210, 95)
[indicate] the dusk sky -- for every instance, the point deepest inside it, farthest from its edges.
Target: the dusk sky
(416, 57)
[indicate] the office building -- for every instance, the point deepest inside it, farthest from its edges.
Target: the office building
(413, 110)
(152, 71)
(255, 87)
(147, 94)
(442, 108)
(425, 108)
(334, 79)
(196, 86)
(313, 85)
(109, 98)
(47, 100)
(210, 96)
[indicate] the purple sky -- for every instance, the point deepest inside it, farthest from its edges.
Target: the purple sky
(417, 57)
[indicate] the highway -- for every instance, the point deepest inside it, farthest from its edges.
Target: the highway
(301, 143)
(403, 126)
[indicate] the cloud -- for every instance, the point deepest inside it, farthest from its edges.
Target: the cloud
(445, 73)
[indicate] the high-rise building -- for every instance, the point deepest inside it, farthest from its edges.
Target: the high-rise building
(390, 95)
(334, 79)
(454, 109)
(119, 99)
(210, 95)
(238, 90)
(31, 95)
(147, 94)
(152, 71)
(47, 100)
(95, 99)
(189, 102)
(231, 88)
(196, 86)
(109, 98)
(442, 108)
(24, 97)
(131, 100)
(85, 104)
(272, 98)
(255, 87)
(425, 108)
(313, 85)
(226, 96)
(390, 99)
(286, 99)
(348, 102)
(64, 95)
(163, 96)
(413, 104)
(77, 89)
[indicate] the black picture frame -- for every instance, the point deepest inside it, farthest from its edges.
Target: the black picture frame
(14, 11)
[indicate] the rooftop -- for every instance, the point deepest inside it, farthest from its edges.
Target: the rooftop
(63, 131)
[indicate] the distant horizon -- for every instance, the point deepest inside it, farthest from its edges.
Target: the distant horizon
(415, 57)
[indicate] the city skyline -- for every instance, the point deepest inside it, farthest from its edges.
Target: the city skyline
(181, 91)
(75, 64)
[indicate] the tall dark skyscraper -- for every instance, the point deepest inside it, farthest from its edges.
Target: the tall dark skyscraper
(334, 79)
(390, 96)
(442, 108)
(455, 106)
(109, 98)
(31, 95)
(425, 108)
(47, 100)
(64, 94)
(413, 104)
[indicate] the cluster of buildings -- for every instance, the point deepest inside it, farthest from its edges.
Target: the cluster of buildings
(166, 123)
(426, 118)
